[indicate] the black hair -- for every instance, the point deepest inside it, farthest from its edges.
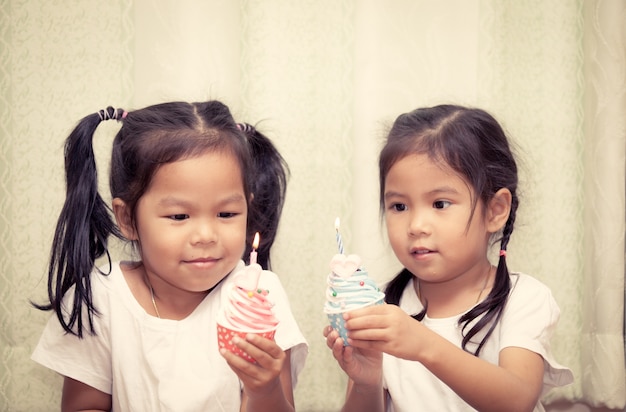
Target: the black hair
(473, 144)
(149, 138)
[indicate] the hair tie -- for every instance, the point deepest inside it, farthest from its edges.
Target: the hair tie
(245, 127)
(105, 115)
(503, 253)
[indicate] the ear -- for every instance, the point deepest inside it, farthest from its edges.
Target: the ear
(498, 210)
(124, 221)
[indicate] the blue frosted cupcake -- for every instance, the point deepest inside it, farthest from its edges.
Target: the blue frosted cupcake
(349, 287)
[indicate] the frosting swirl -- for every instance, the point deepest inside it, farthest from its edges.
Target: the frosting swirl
(349, 285)
(247, 307)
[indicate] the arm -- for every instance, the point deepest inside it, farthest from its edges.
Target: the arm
(267, 382)
(78, 396)
(364, 398)
(514, 384)
(274, 398)
(364, 368)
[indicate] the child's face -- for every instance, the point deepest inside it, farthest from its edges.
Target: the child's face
(191, 222)
(427, 210)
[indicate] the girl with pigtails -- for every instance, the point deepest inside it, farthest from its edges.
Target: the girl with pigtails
(189, 187)
(457, 333)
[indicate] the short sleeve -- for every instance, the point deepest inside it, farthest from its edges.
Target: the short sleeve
(87, 360)
(528, 321)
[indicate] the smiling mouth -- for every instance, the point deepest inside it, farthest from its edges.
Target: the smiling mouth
(421, 252)
(202, 260)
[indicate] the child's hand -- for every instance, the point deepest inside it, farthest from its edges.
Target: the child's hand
(386, 328)
(363, 366)
(260, 377)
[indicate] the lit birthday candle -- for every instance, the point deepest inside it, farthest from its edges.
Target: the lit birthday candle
(338, 237)
(255, 246)
(248, 277)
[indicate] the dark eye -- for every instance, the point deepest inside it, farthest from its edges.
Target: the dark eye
(398, 207)
(441, 204)
(180, 216)
(227, 215)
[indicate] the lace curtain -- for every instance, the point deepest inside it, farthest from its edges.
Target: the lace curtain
(325, 79)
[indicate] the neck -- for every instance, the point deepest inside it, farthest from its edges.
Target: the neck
(168, 302)
(454, 296)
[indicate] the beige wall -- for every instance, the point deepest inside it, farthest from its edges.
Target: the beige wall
(324, 79)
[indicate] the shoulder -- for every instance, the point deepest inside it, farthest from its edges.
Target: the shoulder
(112, 294)
(530, 302)
(106, 281)
(107, 276)
(526, 287)
(527, 281)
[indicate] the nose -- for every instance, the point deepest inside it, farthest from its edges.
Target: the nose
(418, 225)
(204, 232)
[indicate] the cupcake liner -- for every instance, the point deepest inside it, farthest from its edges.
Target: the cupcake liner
(337, 321)
(225, 337)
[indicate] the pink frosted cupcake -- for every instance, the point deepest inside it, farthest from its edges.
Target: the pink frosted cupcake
(246, 309)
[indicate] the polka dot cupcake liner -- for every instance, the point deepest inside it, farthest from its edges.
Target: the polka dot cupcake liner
(338, 323)
(225, 337)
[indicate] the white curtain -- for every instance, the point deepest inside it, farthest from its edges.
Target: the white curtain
(325, 79)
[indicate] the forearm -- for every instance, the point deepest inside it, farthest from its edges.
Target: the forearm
(78, 396)
(364, 398)
(276, 396)
(273, 400)
(483, 385)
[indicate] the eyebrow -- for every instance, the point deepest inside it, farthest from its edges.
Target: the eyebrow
(393, 194)
(438, 190)
(173, 201)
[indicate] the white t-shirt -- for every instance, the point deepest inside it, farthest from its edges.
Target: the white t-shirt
(152, 364)
(528, 320)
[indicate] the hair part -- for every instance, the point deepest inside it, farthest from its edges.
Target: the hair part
(473, 144)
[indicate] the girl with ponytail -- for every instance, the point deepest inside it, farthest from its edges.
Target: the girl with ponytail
(189, 188)
(457, 333)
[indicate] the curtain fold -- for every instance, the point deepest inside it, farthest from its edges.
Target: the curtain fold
(324, 80)
(602, 352)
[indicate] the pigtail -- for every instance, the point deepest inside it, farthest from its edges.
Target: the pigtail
(269, 186)
(494, 304)
(82, 230)
(395, 288)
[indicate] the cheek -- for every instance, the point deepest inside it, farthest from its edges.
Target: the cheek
(236, 238)
(395, 232)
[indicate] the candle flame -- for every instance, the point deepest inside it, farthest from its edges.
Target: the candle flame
(255, 242)
(337, 224)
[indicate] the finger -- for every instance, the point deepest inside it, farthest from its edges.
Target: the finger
(370, 310)
(236, 362)
(267, 355)
(338, 348)
(367, 322)
(247, 371)
(265, 345)
(348, 353)
(368, 334)
(331, 338)
(369, 343)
